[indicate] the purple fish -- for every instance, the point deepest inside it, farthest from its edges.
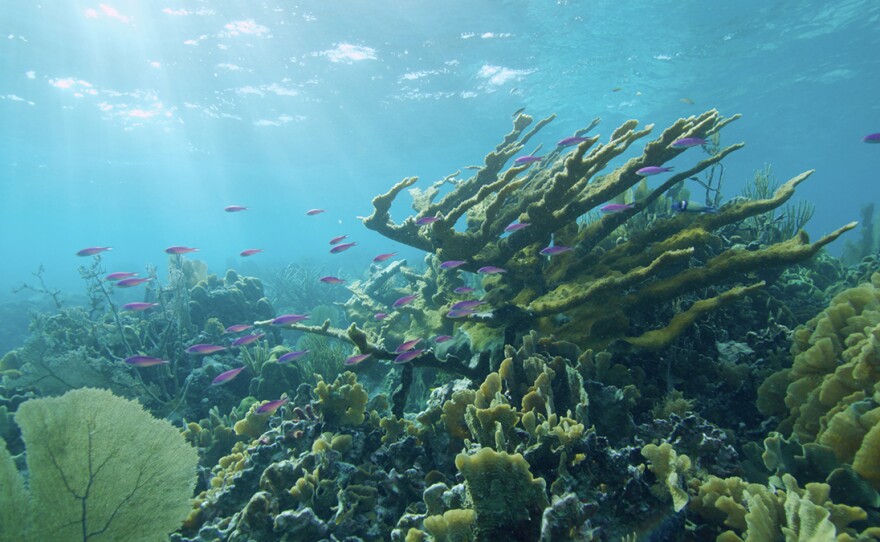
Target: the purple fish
(128, 283)
(687, 142)
(442, 338)
(452, 264)
(271, 406)
(145, 361)
(467, 304)
(286, 319)
(408, 356)
(460, 313)
(527, 159)
(139, 306)
(91, 251)
(573, 140)
(408, 345)
(616, 207)
(425, 220)
(652, 170)
(491, 270)
(180, 250)
(238, 328)
(313, 212)
(516, 226)
(405, 300)
(337, 240)
(380, 316)
(119, 275)
(354, 360)
(339, 248)
(872, 138)
(245, 340)
(235, 209)
(331, 280)
(226, 376)
(204, 349)
(464, 290)
(290, 356)
(554, 250)
(251, 252)
(383, 257)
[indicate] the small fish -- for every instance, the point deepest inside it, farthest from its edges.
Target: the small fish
(128, 283)
(286, 319)
(491, 270)
(251, 252)
(139, 306)
(687, 101)
(145, 361)
(331, 280)
(204, 349)
(180, 250)
(405, 300)
(226, 376)
(554, 250)
(354, 360)
(271, 406)
(425, 220)
(313, 212)
(336, 240)
(290, 356)
(452, 264)
(339, 248)
(467, 304)
(460, 313)
(442, 338)
(527, 159)
(383, 257)
(516, 226)
(464, 290)
(235, 209)
(616, 89)
(570, 141)
(237, 328)
(408, 356)
(652, 170)
(119, 275)
(685, 206)
(872, 138)
(91, 251)
(245, 340)
(408, 345)
(616, 207)
(380, 316)
(687, 142)
(518, 111)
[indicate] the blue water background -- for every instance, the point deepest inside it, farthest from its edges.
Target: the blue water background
(132, 124)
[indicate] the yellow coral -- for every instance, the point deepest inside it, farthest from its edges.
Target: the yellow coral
(342, 403)
(669, 467)
(453, 526)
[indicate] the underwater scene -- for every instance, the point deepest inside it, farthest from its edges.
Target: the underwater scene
(410, 271)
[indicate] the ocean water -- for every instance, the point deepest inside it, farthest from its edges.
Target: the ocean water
(133, 124)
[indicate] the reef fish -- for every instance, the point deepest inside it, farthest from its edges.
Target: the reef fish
(872, 138)
(180, 250)
(250, 252)
(313, 212)
(119, 275)
(527, 159)
(616, 207)
(354, 360)
(408, 345)
(235, 209)
(91, 251)
(460, 313)
(238, 328)
(554, 250)
(128, 283)
(290, 356)
(573, 140)
(516, 226)
(271, 406)
(652, 170)
(408, 356)
(139, 306)
(145, 361)
(226, 376)
(204, 349)
(286, 319)
(491, 270)
(425, 220)
(405, 300)
(339, 248)
(467, 304)
(338, 239)
(452, 264)
(380, 316)
(245, 340)
(331, 280)
(685, 206)
(464, 290)
(687, 142)
(383, 257)
(442, 338)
